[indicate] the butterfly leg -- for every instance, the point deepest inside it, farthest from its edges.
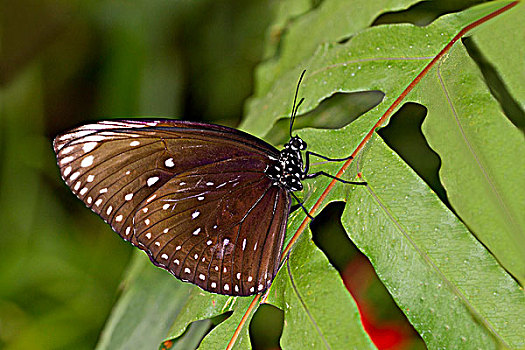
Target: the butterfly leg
(302, 206)
(310, 176)
(309, 153)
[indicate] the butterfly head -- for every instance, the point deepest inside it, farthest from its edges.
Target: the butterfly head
(296, 144)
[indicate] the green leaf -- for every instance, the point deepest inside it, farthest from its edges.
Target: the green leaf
(451, 288)
(443, 279)
(499, 41)
(331, 22)
(478, 147)
(440, 276)
(384, 58)
(203, 305)
(315, 302)
(146, 309)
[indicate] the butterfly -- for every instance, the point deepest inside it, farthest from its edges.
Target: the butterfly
(208, 203)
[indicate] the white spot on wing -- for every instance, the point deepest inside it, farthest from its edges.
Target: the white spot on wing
(108, 211)
(260, 287)
(128, 196)
(195, 214)
(98, 202)
(148, 235)
(165, 206)
(152, 180)
(226, 287)
(134, 143)
(128, 229)
(196, 232)
(77, 186)
(104, 190)
(88, 161)
(176, 261)
(209, 242)
(83, 191)
(214, 285)
(209, 183)
(252, 289)
(178, 247)
(169, 163)
(66, 160)
(151, 198)
(74, 176)
(250, 278)
(244, 244)
(68, 149)
(89, 146)
(90, 178)
(89, 200)
(187, 270)
(164, 256)
(119, 218)
(202, 277)
(67, 171)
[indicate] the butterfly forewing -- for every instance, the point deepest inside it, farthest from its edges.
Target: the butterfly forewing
(194, 196)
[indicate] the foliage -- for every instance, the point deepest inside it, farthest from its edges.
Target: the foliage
(452, 262)
(440, 275)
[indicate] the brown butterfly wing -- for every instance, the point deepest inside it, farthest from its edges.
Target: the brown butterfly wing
(220, 226)
(128, 172)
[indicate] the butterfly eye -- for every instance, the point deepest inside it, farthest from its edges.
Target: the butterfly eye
(302, 145)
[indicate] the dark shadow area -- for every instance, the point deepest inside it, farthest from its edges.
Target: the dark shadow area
(329, 235)
(403, 134)
(381, 317)
(425, 12)
(266, 327)
(332, 113)
(496, 85)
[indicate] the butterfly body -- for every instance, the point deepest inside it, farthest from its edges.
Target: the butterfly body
(288, 171)
(207, 203)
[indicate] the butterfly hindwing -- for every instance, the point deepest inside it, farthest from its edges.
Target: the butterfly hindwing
(217, 226)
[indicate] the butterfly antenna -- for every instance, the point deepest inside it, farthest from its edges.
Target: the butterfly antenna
(296, 107)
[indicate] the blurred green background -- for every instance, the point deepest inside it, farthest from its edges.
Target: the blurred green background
(64, 63)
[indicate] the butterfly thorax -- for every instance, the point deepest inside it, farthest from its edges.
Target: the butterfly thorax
(288, 171)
